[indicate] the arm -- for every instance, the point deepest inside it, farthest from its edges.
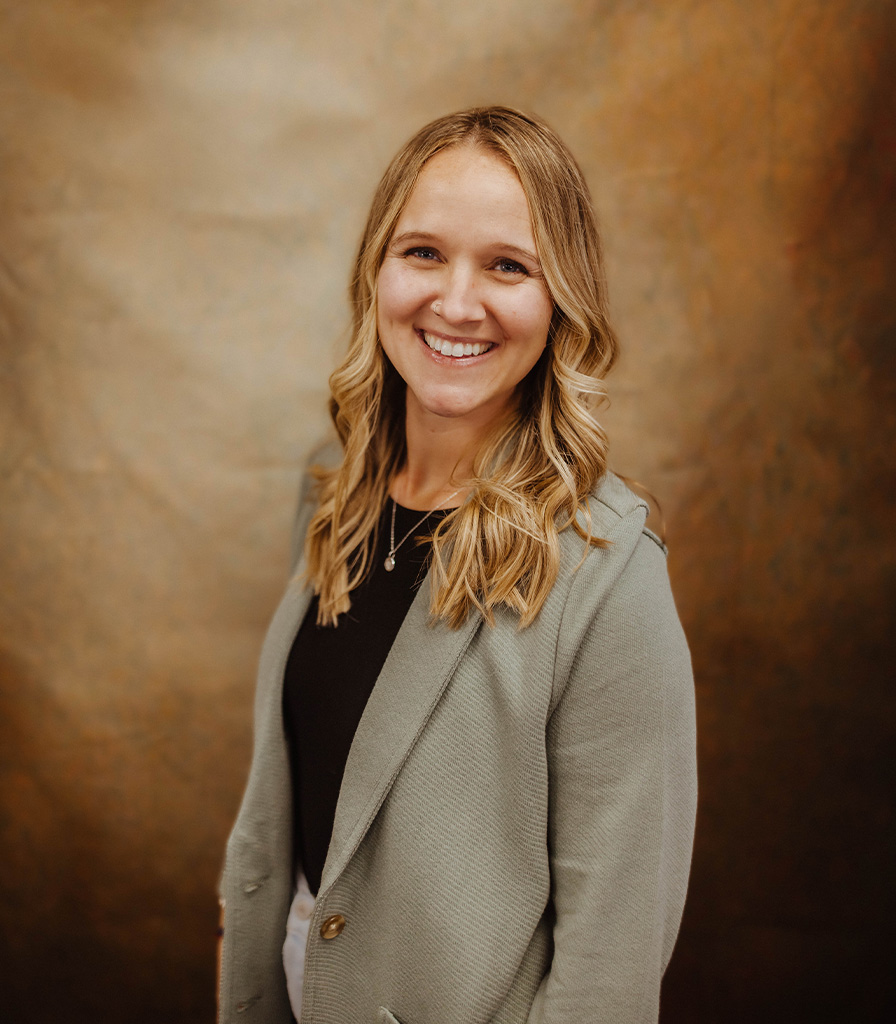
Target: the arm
(621, 752)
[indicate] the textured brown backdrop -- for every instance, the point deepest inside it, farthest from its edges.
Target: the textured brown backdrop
(181, 187)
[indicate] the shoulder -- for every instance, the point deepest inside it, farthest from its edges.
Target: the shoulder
(618, 515)
(327, 454)
(614, 499)
(324, 457)
(618, 608)
(624, 583)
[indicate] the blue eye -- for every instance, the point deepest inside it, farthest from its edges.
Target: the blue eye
(422, 252)
(510, 267)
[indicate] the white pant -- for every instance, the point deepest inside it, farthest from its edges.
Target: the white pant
(296, 940)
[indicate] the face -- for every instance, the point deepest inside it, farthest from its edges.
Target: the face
(463, 310)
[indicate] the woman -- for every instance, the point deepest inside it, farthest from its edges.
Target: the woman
(472, 792)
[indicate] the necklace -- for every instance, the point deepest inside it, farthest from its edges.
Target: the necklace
(393, 547)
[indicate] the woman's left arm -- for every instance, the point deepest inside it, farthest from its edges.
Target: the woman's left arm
(621, 749)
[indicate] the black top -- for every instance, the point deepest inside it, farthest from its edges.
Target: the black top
(329, 676)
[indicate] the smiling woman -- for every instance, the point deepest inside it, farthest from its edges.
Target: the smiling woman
(472, 792)
(463, 311)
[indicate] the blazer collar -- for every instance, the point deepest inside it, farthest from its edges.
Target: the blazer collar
(413, 678)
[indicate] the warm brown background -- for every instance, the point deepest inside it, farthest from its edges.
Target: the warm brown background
(181, 187)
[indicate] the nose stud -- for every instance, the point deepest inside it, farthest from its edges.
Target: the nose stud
(437, 307)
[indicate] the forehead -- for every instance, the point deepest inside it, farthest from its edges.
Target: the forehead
(463, 187)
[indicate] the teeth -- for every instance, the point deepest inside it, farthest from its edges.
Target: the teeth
(455, 349)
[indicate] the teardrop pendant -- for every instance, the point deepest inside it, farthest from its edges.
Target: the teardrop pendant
(389, 564)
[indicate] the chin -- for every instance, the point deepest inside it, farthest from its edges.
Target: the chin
(449, 410)
(448, 405)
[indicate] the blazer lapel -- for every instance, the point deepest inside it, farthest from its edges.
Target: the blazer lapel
(412, 680)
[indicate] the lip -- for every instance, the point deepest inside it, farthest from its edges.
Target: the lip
(469, 345)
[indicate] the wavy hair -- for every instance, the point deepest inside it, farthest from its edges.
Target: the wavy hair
(536, 469)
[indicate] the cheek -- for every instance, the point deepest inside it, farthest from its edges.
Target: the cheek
(397, 297)
(534, 319)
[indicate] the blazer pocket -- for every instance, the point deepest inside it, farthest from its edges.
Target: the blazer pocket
(386, 1017)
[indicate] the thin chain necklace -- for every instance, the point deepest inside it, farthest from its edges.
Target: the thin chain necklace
(393, 547)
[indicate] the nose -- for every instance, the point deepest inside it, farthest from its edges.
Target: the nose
(460, 301)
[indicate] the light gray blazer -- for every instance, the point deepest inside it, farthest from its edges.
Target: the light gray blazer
(513, 833)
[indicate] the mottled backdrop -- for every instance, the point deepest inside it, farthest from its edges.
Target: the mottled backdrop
(181, 189)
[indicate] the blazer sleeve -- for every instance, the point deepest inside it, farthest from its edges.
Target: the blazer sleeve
(622, 763)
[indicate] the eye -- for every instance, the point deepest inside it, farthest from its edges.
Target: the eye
(422, 252)
(506, 266)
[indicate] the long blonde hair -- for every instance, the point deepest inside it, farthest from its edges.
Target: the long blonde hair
(534, 472)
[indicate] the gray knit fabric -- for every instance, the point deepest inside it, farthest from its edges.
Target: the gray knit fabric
(514, 829)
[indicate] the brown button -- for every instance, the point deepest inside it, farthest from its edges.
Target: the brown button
(332, 927)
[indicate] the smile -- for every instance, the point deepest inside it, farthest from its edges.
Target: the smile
(456, 349)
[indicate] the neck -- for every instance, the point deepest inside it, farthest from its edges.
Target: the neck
(440, 453)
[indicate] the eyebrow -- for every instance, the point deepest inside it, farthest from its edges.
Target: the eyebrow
(426, 236)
